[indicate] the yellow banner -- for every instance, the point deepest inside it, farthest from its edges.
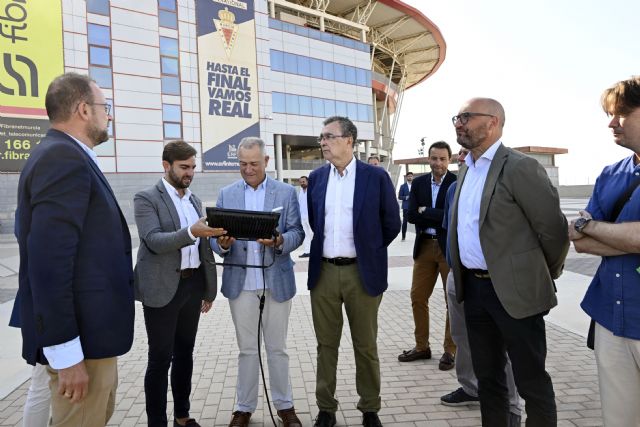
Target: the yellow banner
(31, 53)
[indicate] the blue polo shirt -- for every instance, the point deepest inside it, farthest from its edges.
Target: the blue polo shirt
(613, 298)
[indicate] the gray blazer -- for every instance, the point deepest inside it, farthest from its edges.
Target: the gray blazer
(523, 233)
(279, 277)
(157, 272)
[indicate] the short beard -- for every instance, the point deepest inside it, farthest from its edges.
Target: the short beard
(175, 181)
(98, 136)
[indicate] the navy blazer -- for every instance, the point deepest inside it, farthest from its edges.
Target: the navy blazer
(403, 195)
(376, 222)
(430, 217)
(76, 275)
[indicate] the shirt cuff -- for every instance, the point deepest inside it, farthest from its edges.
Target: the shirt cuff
(65, 355)
(223, 250)
(191, 235)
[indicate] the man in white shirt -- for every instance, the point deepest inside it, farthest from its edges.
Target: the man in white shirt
(304, 216)
(175, 279)
(354, 215)
(508, 242)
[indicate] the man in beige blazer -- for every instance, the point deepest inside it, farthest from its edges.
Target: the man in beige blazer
(508, 243)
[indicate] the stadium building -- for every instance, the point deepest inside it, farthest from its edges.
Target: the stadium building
(211, 72)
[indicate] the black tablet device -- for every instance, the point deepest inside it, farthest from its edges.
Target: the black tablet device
(244, 225)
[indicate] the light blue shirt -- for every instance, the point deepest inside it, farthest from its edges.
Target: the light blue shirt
(86, 149)
(338, 216)
(469, 208)
(254, 201)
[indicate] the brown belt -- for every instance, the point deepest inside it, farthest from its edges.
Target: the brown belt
(187, 272)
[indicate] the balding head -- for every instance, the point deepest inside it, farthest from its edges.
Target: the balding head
(479, 124)
(489, 106)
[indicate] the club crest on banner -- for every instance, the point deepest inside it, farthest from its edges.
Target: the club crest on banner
(227, 28)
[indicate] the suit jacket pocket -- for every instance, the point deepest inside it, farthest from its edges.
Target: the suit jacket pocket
(531, 276)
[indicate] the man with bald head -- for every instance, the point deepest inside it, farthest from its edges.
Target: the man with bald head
(508, 243)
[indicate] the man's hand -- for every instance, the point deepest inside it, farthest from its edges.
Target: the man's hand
(277, 242)
(225, 242)
(421, 209)
(201, 229)
(573, 234)
(206, 306)
(73, 382)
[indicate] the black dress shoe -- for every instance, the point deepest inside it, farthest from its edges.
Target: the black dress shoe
(447, 361)
(325, 419)
(414, 354)
(370, 419)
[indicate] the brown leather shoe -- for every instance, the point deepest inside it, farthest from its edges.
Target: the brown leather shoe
(240, 419)
(289, 418)
(447, 361)
(414, 354)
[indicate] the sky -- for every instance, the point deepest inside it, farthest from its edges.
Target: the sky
(546, 61)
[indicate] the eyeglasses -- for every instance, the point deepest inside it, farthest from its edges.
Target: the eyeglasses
(329, 137)
(464, 117)
(107, 107)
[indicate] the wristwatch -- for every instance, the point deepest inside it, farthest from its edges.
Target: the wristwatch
(581, 223)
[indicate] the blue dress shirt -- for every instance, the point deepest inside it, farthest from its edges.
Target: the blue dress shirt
(613, 298)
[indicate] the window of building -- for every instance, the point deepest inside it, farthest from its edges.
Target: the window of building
(98, 35)
(99, 39)
(169, 66)
(278, 103)
(352, 110)
(167, 15)
(99, 56)
(350, 75)
(327, 70)
(290, 63)
(172, 130)
(277, 60)
(341, 109)
(305, 105)
(317, 107)
(362, 77)
(339, 73)
(292, 105)
(304, 65)
(363, 112)
(171, 113)
(112, 114)
(329, 107)
(168, 47)
(316, 68)
(101, 7)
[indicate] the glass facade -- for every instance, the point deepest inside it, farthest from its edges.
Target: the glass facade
(287, 103)
(99, 39)
(317, 68)
(319, 35)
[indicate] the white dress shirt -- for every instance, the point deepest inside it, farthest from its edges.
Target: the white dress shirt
(469, 209)
(435, 189)
(302, 201)
(188, 217)
(338, 213)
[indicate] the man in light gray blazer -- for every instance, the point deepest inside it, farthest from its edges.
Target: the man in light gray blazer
(508, 242)
(244, 287)
(175, 279)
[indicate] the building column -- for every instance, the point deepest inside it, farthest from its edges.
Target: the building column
(278, 153)
(367, 150)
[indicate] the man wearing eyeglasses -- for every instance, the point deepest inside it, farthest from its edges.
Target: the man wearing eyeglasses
(354, 216)
(76, 277)
(508, 243)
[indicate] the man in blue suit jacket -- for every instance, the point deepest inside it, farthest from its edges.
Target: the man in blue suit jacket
(76, 276)
(354, 216)
(403, 194)
(244, 287)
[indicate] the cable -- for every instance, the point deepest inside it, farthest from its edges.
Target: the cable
(262, 302)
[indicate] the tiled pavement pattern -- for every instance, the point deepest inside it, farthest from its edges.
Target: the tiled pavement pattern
(410, 392)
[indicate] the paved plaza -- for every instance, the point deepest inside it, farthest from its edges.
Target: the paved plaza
(410, 391)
